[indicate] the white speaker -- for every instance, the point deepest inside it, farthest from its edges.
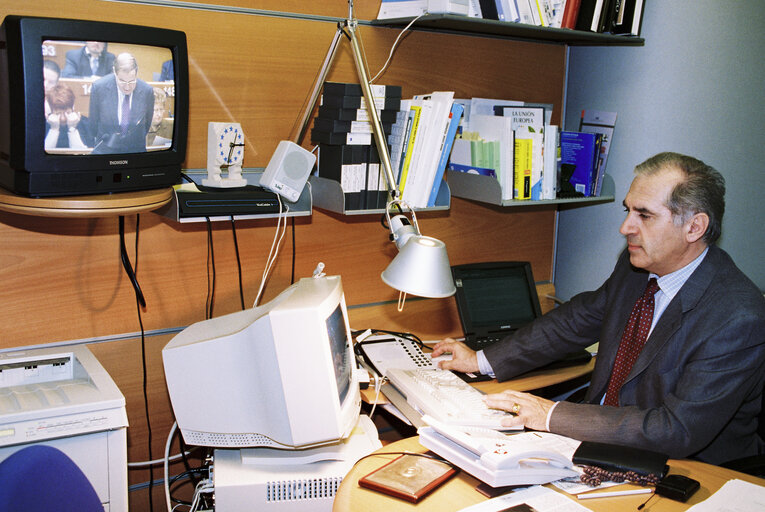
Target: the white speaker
(288, 170)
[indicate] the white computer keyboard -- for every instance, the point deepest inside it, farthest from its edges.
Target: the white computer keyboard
(444, 396)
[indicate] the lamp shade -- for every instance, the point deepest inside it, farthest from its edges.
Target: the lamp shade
(421, 268)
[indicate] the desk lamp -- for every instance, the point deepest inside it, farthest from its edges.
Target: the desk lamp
(422, 266)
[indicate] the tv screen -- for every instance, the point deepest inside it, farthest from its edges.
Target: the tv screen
(103, 97)
(91, 107)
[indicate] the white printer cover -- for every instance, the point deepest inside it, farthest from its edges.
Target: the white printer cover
(56, 392)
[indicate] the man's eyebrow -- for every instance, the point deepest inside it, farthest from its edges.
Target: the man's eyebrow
(637, 209)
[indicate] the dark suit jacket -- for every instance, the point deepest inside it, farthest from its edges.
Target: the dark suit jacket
(78, 64)
(696, 388)
(104, 121)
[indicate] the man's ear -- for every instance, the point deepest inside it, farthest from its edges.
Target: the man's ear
(696, 227)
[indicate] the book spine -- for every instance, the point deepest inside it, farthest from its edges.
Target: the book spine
(522, 168)
(414, 113)
(446, 149)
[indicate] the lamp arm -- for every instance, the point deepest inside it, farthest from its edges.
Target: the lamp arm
(374, 118)
(318, 84)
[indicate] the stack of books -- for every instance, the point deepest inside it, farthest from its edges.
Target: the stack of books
(512, 141)
(421, 144)
(347, 151)
(623, 17)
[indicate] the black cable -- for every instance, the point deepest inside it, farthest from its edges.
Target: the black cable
(406, 335)
(185, 177)
(126, 261)
(210, 263)
(238, 261)
(188, 476)
(140, 302)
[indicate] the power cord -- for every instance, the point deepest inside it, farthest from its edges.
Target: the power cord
(239, 261)
(210, 272)
(140, 302)
(281, 228)
(393, 48)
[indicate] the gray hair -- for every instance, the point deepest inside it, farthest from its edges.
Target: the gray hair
(702, 190)
(125, 62)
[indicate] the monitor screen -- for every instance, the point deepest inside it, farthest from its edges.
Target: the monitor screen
(499, 299)
(104, 97)
(338, 340)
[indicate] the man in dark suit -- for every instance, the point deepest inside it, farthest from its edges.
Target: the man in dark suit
(695, 388)
(90, 60)
(121, 108)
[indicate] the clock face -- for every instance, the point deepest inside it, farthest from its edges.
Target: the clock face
(227, 154)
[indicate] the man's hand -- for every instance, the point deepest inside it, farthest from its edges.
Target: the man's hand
(530, 410)
(463, 358)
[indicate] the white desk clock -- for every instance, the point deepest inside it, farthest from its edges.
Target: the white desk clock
(225, 152)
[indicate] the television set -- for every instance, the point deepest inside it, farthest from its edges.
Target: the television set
(281, 375)
(65, 128)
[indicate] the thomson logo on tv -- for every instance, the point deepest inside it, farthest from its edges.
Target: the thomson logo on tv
(118, 162)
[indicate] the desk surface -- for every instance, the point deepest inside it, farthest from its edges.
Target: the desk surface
(459, 492)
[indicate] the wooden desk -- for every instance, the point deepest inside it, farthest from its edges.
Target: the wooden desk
(459, 492)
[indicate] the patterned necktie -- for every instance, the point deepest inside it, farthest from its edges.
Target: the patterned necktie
(125, 115)
(633, 339)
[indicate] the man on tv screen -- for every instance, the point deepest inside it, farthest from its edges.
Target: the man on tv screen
(92, 60)
(121, 109)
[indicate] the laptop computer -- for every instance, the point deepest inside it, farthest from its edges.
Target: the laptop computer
(494, 299)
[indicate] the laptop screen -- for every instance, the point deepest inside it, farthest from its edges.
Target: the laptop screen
(495, 296)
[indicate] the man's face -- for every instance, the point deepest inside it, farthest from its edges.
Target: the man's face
(159, 114)
(50, 79)
(95, 47)
(126, 80)
(654, 241)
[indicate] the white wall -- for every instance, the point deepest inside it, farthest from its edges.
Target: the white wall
(696, 87)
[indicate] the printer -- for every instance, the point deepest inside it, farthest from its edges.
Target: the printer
(63, 397)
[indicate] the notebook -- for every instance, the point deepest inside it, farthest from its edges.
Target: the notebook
(494, 299)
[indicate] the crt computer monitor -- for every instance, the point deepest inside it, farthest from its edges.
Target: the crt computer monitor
(43, 58)
(280, 375)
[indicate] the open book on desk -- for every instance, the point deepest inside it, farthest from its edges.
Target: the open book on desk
(499, 459)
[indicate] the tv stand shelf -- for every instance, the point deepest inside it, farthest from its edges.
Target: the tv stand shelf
(100, 205)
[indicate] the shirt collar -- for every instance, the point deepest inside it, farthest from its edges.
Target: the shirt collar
(671, 283)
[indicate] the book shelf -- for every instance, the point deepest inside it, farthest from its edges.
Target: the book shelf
(328, 195)
(479, 26)
(486, 189)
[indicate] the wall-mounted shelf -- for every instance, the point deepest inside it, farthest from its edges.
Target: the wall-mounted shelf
(97, 205)
(328, 195)
(487, 189)
(300, 208)
(480, 26)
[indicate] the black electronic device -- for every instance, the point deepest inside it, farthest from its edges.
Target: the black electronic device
(494, 299)
(203, 201)
(677, 487)
(147, 152)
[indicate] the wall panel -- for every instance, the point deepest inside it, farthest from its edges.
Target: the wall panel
(61, 279)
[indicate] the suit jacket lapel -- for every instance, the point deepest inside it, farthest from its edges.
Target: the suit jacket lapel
(670, 321)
